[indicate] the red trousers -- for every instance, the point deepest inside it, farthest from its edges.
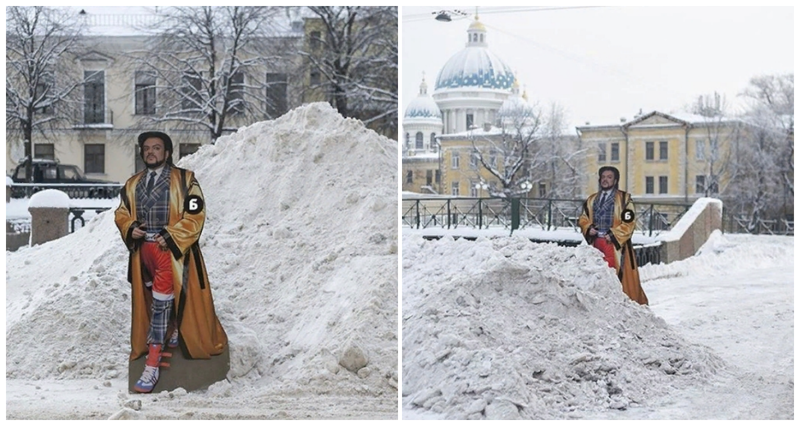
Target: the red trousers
(158, 264)
(607, 248)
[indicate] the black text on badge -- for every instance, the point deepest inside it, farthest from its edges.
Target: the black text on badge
(627, 216)
(194, 204)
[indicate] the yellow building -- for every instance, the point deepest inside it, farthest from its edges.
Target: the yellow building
(662, 157)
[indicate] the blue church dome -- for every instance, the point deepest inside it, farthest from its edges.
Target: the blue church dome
(475, 66)
(423, 106)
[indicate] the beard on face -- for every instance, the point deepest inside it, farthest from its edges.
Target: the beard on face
(155, 164)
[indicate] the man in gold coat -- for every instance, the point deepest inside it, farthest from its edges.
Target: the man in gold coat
(607, 223)
(160, 218)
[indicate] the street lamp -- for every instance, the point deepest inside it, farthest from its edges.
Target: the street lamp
(481, 185)
(444, 15)
(526, 186)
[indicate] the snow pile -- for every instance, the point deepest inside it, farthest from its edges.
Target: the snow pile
(505, 328)
(300, 243)
(726, 253)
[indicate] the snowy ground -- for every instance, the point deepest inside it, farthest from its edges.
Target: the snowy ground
(510, 329)
(302, 260)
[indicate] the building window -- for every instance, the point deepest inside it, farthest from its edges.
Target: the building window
(649, 151)
(601, 152)
(187, 149)
(410, 176)
(700, 149)
(663, 150)
(473, 160)
(94, 158)
(493, 158)
(438, 175)
(662, 185)
(700, 184)
(144, 93)
(277, 98)
(470, 121)
(419, 143)
(473, 189)
(236, 93)
(428, 177)
(94, 95)
(648, 185)
(44, 150)
(542, 190)
(44, 89)
(615, 151)
(314, 77)
(454, 161)
(408, 140)
(432, 143)
(455, 189)
(191, 91)
(315, 40)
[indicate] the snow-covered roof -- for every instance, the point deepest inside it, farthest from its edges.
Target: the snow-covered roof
(120, 21)
(676, 117)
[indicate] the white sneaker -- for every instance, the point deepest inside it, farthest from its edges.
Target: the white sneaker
(148, 380)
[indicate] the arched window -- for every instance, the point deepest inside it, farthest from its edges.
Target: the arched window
(481, 38)
(433, 142)
(419, 140)
(408, 140)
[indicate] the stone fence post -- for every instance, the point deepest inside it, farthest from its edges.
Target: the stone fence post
(49, 215)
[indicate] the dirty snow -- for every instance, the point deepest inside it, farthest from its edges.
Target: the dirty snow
(503, 328)
(302, 257)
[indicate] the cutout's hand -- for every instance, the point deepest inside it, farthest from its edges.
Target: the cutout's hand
(138, 232)
(161, 241)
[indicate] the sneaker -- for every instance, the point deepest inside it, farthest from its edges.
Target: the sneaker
(148, 380)
(173, 340)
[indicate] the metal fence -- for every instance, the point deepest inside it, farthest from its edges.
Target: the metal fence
(743, 225)
(541, 213)
(78, 190)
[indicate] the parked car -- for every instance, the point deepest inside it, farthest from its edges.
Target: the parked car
(51, 172)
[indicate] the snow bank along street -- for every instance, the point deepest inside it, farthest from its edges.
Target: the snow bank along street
(503, 328)
(302, 257)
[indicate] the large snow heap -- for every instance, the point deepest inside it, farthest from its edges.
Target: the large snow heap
(300, 242)
(503, 328)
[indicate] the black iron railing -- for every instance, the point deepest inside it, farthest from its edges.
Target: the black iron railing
(78, 190)
(541, 213)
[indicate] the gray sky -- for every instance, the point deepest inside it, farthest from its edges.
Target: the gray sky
(602, 64)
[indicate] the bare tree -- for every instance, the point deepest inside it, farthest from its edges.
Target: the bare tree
(531, 147)
(40, 90)
(355, 59)
(564, 168)
(772, 102)
(207, 64)
(717, 148)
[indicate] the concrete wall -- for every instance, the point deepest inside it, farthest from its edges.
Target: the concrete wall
(692, 231)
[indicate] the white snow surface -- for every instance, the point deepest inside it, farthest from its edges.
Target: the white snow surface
(688, 219)
(302, 259)
(49, 198)
(503, 328)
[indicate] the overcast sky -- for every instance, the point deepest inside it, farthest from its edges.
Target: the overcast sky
(604, 63)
